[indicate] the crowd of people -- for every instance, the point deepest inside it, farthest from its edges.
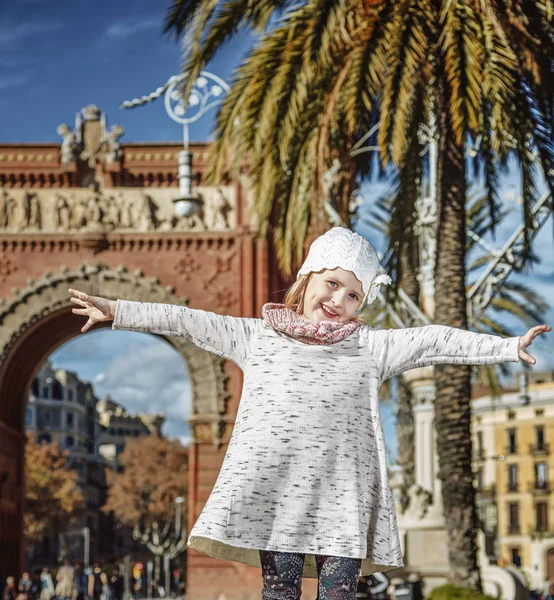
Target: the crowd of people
(70, 582)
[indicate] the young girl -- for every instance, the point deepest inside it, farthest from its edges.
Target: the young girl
(303, 489)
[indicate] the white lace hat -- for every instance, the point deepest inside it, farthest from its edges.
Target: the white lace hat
(340, 247)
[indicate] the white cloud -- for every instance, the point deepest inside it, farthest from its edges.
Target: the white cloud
(13, 33)
(125, 28)
(150, 378)
(10, 81)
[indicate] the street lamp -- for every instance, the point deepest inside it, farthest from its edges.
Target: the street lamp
(86, 547)
(178, 501)
(206, 93)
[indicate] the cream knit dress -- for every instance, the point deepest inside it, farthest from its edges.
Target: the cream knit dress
(305, 470)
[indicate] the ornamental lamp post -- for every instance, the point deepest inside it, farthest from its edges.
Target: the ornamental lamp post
(178, 501)
(207, 92)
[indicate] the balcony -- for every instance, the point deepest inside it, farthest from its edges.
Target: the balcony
(510, 449)
(539, 449)
(513, 486)
(513, 528)
(487, 491)
(539, 487)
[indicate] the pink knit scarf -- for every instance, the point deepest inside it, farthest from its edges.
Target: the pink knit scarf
(290, 323)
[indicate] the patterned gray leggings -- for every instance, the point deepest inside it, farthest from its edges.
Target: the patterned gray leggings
(282, 576)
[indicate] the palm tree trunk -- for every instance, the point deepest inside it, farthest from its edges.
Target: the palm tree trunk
(405, 430)
(453, 391)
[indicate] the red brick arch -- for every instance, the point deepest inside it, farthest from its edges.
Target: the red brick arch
(227, 271)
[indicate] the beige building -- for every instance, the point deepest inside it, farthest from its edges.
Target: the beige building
(61, 408)
(513, 438)
(118, 425)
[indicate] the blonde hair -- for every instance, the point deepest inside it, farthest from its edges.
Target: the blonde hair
(294, 298)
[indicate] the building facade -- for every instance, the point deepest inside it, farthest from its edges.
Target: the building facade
(64, 409)
(513, 439)
(118, 426)
(61, 408)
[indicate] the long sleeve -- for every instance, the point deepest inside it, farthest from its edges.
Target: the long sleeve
(399, 350)
(225, 336)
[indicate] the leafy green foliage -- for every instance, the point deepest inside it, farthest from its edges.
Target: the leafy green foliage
(452, 592)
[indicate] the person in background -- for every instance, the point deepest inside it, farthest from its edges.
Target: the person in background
(65, 582)
(80, 581)
(106, 593)
(10, 590)
(25, 586)
(116, 582)
(47, 591)
(95, 582)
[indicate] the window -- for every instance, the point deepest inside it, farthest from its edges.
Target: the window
(44, 438)
(35, 388)
(541, 476)
(69, 441)
(57, 390)
(69, 419)
(513, 517)
(46, 392)
(29, 416)
(541, 515)
(512, 446)
(511, 415)
(539, 430)
(516, 558)
(479, 479)
(512, 478)
(70, 395)
(539, 412)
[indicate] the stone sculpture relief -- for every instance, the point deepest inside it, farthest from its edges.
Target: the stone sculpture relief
(136, 209)
(91, 140)
(69, 147)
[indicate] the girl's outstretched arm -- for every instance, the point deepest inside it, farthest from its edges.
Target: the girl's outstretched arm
(402, 349)
(225, 336)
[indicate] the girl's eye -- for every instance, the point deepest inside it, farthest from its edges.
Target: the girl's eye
(354, 296)
(334, 283)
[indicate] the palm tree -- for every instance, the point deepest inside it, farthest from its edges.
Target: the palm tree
(321, 74)
(513, 300)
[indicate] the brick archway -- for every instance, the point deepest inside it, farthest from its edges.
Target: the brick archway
(102, 218)
(37, 320)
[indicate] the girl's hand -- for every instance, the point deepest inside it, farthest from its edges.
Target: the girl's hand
(527, 340)
(96, 308)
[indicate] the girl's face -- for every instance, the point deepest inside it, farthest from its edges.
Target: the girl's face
(332, 295)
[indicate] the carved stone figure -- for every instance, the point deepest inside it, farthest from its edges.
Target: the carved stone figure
(145, 213)
(20, 213)
(125, 211)
(34, 212)
(222, 208)
(113, 147)
(68, 150)
(420, 500)
(93, 206)
(80, 214)
(112, 214)
(62, 213)
(4, 209)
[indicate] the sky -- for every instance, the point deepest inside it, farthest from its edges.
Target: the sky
(56, 58)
